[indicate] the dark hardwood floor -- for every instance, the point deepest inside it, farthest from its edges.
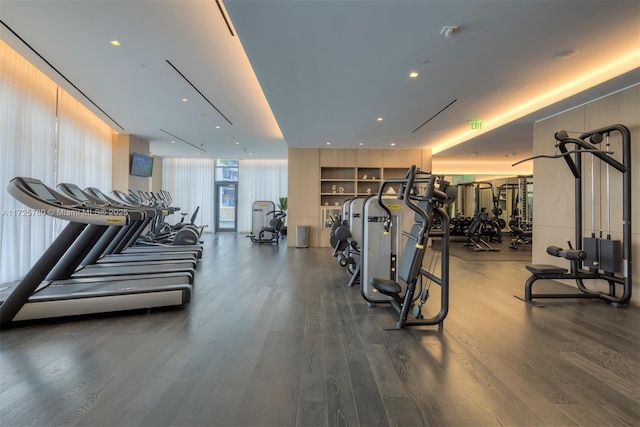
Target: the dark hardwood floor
(273, 337)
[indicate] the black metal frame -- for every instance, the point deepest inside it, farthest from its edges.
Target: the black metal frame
(578, 271)
(276, 232)
(432, 200)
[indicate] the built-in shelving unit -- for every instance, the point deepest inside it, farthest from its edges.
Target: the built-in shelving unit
(338, 184)
(313, 172)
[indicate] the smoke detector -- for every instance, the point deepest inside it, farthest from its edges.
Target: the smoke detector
(448, 30)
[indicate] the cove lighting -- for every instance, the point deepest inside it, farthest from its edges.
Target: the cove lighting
(572, 86)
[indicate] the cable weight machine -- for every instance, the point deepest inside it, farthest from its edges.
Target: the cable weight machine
(595, 257)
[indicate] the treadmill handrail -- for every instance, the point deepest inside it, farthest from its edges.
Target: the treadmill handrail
(68, 209)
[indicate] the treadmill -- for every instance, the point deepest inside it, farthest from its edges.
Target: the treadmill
(40, 295)
(96, 264)
(129, 242)
(101, 261)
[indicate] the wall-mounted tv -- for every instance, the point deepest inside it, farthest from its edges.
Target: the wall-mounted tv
(141, 165)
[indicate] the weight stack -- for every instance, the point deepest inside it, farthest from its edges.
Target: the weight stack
(610, 255)
(590, 246)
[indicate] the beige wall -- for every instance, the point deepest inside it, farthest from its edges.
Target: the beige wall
(304, 181)
(120, 162)
(304, 190)
(156, 179)
(553, 209)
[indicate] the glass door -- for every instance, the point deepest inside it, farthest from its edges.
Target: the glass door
(227, 200)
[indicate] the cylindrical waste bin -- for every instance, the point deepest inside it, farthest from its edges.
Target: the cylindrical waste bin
(302, 236)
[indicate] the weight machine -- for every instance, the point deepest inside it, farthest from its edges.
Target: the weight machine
(594, 258)
(402, 291)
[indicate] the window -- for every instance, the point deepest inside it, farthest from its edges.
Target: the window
(226, 170)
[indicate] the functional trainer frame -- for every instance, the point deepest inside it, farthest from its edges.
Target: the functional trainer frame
(599, 268)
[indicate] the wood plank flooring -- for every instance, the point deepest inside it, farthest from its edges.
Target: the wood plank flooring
(274, 337)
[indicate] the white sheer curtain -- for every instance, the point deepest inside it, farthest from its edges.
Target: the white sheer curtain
(260, 179)
(191, 183)
(84, 145)
(27, 138)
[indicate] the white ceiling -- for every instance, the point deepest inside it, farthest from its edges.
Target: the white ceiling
(303, 73)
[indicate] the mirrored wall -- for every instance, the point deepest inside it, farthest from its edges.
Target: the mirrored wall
(507, 199)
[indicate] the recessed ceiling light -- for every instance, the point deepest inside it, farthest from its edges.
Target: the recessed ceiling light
(362, 143)
(173, 142)
(237, 142)
(379, 119)
(413, 74)
(184, 99)
(218, 127)
(393, 144)
(328, 143)
(114, 43)
(566, 53)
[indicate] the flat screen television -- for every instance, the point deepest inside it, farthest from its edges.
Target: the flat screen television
(141, 165)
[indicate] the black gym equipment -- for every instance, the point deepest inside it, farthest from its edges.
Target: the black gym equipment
(594, 258)
(130, 236)
(48, 290)
(426, 207)
(267, 223)
(480, 227)
(521, 235)
(345, 245)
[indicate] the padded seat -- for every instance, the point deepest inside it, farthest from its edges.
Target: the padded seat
(386, 285)
(545, 269)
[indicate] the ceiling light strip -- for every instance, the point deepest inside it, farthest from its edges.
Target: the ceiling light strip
(59, 73)
(201, 94)
(183, 140)
(435, 115)
(224, 16)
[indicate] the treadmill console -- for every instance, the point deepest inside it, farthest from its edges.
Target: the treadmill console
(78, 193)
(39, 189)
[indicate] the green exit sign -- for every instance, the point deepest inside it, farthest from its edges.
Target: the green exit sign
(476, 124)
